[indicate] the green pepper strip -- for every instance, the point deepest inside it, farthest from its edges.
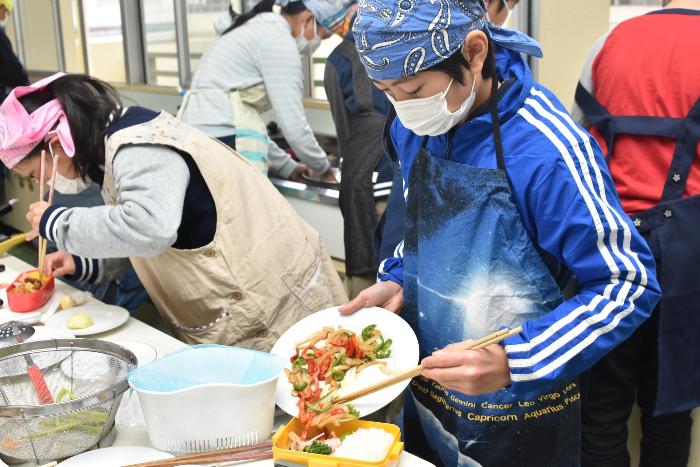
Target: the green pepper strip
(382, 350)
(367, 332)
(300, 387)
(316, 406)
(299, 363)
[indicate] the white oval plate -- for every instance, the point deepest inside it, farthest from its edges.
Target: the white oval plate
(404, 354)
(115, 457)
(104, 317)
(144, 352)
(31, 317)
(42, 360)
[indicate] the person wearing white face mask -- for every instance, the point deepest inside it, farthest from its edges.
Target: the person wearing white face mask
(220, 252)
(12, 72)
(506, 198)
(499, 12)
(254, 66)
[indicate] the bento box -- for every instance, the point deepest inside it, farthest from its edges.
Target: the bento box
(32, 295)
(290, 458)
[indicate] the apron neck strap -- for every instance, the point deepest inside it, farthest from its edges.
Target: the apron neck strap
(496, 122)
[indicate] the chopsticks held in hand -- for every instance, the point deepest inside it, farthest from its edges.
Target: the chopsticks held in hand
(43, 243)
(254, 452)
(485, 341)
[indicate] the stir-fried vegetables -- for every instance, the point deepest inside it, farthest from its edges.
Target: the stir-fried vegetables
(27, 285)
(319, 365)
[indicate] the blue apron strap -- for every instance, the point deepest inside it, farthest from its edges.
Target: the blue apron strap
(665, 127)
(386, 140)
(686, 132)
(496, 123)
(687, 142)
(610, 126)
(597, 115)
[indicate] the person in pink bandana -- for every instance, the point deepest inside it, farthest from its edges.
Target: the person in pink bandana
(201, 226)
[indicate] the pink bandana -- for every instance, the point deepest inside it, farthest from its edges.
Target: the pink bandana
(20, 132)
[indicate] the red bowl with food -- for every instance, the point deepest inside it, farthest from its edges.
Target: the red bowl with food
(29, 292)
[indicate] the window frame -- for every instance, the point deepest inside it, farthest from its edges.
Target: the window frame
(135, 47)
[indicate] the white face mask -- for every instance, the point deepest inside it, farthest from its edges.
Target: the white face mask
(305, 46)
(70, 186)
(67, 186)
(430, 115)
(3, 23)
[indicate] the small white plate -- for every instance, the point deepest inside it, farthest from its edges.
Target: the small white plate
(144, 352)
(104, 317)
(42, 360)
(115, 457)
(404, 354)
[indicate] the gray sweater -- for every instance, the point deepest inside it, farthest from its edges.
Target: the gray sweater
(261, 51)
(151, 182)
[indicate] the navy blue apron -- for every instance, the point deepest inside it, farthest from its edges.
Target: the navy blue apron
(470, 269)
(672, 229)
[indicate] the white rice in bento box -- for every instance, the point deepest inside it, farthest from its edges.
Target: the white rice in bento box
(366, 444)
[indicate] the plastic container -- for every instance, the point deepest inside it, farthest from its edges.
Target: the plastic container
(26, 302)
(208, 397)
(284, 456)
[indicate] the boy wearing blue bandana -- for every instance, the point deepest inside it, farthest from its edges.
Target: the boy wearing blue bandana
(507, 198)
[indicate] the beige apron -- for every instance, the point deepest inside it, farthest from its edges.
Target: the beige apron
(247, 105)
(265, 269)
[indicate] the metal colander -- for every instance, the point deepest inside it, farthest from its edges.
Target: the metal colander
(86, 379)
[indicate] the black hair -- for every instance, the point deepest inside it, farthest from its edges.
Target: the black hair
(455, 65)
(90, 106)
(264, 6)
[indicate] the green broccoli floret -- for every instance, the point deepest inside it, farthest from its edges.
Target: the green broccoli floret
(353, 411)
(319, 448)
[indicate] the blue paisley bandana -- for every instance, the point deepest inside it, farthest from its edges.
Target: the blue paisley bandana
(399, 38)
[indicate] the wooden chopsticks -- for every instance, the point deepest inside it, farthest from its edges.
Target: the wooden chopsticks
(43, 243)
(491, 339)
(485, 341)
(253, 452)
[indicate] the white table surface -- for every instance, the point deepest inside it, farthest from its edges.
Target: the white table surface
(135, 330)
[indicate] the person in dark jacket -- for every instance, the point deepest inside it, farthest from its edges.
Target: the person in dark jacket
(12, 72)
(359, 111)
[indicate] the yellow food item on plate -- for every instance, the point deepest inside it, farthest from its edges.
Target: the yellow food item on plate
(67, 302)
(80, 320)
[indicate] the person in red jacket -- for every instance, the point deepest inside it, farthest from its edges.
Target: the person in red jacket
(640, 96)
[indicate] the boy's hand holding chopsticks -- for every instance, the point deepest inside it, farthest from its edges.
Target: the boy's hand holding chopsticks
(472, 367)
(471, 372)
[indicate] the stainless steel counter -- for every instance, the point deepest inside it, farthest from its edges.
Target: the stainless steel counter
(319, 194)
(319, 207)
